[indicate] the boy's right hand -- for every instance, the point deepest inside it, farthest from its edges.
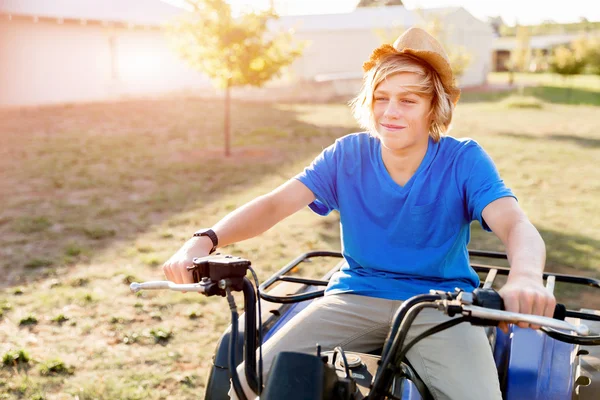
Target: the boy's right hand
(175, 268)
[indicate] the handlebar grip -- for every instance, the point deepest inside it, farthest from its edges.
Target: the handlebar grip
(560, 312)
(491, 299)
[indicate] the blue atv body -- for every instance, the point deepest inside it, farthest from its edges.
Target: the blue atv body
(531, 364)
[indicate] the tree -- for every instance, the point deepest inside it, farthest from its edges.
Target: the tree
(378, 3)
(520, 57)
(231, 51)
(566, 62)
(587, 48)
(593, 57)
(539, 61)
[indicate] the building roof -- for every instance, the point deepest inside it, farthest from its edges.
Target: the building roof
(455, 18)
(360, 18)
(139, 12)
(536, 42)
(438, 10)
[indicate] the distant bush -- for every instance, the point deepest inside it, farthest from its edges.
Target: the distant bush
(565, 61)
(588, 50)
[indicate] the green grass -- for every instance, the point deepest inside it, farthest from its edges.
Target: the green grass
(589, 82)
(55, 367)
(15, 358)
(516, 101)
(28, 320)
(107, 192)
(545, 88)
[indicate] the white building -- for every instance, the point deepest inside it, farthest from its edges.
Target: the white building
(87, 50)
(462, 29)
(93, 50)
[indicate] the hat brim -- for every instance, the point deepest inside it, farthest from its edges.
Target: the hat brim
(433, 59)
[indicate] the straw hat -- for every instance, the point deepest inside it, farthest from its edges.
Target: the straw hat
(420, 44)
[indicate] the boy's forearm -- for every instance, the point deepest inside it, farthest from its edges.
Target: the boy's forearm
(250, 220)
(526, 251)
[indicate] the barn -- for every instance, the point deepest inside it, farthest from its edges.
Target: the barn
(87, 50)
(66, 51)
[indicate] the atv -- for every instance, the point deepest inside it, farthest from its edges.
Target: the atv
(560, 361)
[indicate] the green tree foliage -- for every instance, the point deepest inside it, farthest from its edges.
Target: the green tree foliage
(566, 62)
(232, 51)
(520, 57)
(593, 57)
(587, 48)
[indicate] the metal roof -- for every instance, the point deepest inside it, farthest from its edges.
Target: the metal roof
(536, 42)
(140, 12)
(361, 18)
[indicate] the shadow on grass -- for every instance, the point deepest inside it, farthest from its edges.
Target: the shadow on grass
(566, 254)
(548, 94)
(83, 177)
(576, 253)
(584, 142)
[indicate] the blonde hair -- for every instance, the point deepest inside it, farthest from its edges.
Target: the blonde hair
(430, 85)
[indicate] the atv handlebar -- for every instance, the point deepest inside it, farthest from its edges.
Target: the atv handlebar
(221, 274)
(157, 285)
(467, 310)
(482, 307)
(512, 317)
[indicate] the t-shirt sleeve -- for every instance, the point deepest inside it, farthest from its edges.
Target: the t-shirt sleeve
(482, 184)
(320, 178)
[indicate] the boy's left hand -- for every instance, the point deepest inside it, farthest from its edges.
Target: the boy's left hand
(526, 295)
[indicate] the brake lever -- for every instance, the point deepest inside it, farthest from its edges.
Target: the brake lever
(206, 286)
(512, 317)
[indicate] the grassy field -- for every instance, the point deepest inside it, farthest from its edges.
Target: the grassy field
(96, 196)
(552, 88)
(590, 82)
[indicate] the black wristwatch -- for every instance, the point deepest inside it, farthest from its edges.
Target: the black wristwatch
(212, 235)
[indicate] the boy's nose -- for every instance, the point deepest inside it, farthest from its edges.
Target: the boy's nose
(392, 110)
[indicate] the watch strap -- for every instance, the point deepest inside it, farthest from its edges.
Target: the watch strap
(211, 235)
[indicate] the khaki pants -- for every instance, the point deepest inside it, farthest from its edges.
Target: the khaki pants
(455, 364)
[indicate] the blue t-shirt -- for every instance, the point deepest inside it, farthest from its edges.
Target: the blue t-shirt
(400, 241)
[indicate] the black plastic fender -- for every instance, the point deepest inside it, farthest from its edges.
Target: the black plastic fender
(218, 379)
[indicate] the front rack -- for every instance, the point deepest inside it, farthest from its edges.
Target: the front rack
(490, 277)
(280, 276)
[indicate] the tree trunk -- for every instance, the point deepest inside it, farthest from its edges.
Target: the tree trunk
(227, 128)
